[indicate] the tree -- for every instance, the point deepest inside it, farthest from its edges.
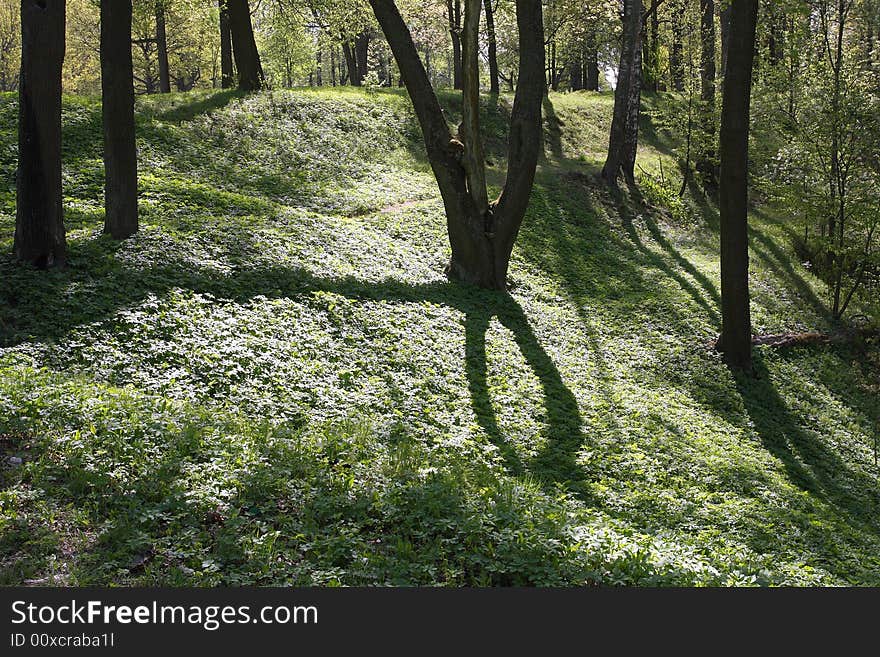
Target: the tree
(481, 233)
(736, 334)
(627, 99)
(117, 106)
(227, 74)
(247, 57)
(492, 45)
(162, 48)
(39, 222)
(453, 11)
(706, 160)
(10, 45)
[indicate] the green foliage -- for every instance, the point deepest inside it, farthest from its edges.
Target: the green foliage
(273, 383)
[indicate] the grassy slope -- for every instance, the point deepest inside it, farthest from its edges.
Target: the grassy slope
(273, 383)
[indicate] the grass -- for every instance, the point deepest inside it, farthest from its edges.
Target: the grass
(272, 383)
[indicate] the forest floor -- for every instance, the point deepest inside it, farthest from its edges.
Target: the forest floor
(273, 383)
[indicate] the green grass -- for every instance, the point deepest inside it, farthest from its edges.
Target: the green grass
(273, 383)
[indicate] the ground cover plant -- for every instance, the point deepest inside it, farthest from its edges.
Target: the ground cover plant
(273, 382)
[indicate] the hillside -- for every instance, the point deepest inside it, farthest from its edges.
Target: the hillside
(273, 383)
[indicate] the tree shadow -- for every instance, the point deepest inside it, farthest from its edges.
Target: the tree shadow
(552, 128)
(187, 110)
(807, 459)
(556, 463)
(628, 217)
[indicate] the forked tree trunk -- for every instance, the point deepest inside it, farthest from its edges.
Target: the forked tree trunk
(736, 335)
(481, 234)
(227, 74)
(117, 107)
(627, 99)
(247, 58)
(39, 222)
(162, 49)
(492, 42)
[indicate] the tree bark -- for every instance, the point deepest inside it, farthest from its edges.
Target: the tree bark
(361, 51)
(227, 75)
(591, 64)
(162, 49)
(350, 64)
(627, 99)
(494, 84)
(117, 107)
(247, 58)
(39, 221)
(706, 159)
(676, 53)
(736, 335)
(481, 241)
(453, 10)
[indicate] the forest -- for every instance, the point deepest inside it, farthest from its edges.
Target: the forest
(459, 293)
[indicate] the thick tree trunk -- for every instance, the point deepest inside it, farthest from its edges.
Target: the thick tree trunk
(481, 241)
(227, 74)
(117, 96)
(627, 99)
(494, 84)
(162, 49)
(247, 58)
(453, 10)
(39, 222)
(736, 335)
(706, 159)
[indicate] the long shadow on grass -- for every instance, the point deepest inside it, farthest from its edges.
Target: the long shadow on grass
(808, 460)
(555, 464)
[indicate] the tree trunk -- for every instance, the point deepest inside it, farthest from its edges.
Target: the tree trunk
(706, 159)
(227, 75)
(494, 85)
(162, 49)
(736, 335)
(453, 9)
(676, 53)
(39, 221)
(481, 241)
(333, 65)
(361, 51)
(117, 96)
(247, 58)
(725, 36)
(350, 64)
(627, 98)
(591, 64)
(319, 72)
